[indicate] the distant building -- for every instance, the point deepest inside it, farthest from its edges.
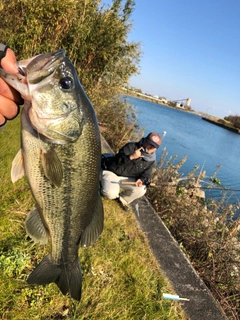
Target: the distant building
(188, 102)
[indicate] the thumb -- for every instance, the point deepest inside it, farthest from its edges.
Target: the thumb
(141, 148)
(9, 62)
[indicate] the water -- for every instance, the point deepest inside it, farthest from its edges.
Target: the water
(206, 145)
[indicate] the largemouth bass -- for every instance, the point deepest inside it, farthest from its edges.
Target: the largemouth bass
(60, 155)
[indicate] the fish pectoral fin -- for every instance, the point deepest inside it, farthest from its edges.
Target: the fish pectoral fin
(35, 227)
(17, 170)
(95, 227)
(52, 167)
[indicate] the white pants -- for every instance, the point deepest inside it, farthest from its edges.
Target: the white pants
(112, 187)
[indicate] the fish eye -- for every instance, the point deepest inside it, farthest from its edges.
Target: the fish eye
(66, 83)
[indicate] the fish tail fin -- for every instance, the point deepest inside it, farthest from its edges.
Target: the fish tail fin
(67, 277)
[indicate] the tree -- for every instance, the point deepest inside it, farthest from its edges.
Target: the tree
(95, 38)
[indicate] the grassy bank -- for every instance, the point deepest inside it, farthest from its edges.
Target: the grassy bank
(121, 279)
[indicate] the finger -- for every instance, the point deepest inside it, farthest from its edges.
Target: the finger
(2, 121)
(9, 62)
(10, 93)
(8, 108)
(139, 182)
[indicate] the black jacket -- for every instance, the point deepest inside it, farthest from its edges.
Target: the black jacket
(121, 165)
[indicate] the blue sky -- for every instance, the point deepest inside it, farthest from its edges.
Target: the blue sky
(191, 49)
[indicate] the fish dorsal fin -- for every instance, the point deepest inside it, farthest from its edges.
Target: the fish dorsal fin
(17, 171)
(95, 227)
(52, 167)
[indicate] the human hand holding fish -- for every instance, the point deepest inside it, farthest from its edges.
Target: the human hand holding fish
(9, 97)
(61, 157)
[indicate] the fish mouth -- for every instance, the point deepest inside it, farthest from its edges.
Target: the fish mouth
(43, 65)
(42, 62)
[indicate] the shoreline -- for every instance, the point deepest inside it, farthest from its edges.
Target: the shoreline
(211, 119)
(219, 122)
(157, 101)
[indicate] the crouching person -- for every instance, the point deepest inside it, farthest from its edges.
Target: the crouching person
(126, 174)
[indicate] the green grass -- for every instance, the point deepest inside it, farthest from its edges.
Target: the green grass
(121, 279)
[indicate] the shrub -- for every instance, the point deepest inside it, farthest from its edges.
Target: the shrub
(235, 120)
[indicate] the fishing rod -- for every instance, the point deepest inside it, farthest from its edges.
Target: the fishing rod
(175, 185)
